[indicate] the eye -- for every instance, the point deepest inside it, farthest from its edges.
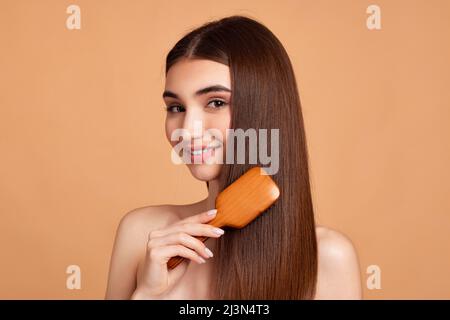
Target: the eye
(175, 109)
(217, 104)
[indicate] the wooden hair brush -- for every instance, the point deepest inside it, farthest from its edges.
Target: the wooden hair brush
(240, 203)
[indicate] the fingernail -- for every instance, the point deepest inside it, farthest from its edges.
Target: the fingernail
(208, 252)
(218, 231)
(202, 260)
(212, 212)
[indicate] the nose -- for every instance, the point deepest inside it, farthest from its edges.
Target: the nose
(194, 123)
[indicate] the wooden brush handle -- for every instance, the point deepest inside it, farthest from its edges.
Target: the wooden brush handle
(174, 261)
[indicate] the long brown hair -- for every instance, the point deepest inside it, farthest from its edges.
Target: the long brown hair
(275, 256)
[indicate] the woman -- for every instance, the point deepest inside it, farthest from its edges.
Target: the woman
(233, 73)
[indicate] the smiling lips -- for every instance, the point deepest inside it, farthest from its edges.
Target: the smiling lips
(202, 149)
(200, 154)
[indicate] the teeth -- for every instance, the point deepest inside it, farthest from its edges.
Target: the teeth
(197, 152)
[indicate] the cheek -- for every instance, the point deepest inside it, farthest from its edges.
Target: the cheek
(170, 126)
(224, 125)
(221, 122)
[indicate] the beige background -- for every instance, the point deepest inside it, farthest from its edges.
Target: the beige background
(82, 137)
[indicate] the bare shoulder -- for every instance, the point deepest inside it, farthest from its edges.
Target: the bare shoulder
(135, 226)
(334, 246)
(338, 266)
(156, 216)
(142, 218)
(130, 245)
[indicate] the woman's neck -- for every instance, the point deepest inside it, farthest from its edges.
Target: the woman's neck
(213, 191)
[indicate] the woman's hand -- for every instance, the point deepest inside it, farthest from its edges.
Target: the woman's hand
(174, 240)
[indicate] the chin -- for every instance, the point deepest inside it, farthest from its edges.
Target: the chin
(205, 172)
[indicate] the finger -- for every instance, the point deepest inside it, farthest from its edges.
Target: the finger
(161, 255)
(183, 239)
(200, 218)
(193, 229)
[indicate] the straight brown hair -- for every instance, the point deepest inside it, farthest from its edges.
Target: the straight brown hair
(275, 256)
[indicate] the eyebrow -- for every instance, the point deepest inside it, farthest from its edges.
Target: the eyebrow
(214, 88)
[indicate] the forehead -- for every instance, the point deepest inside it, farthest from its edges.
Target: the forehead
(189, 75)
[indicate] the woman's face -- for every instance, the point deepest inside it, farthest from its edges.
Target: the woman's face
(197, 96)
